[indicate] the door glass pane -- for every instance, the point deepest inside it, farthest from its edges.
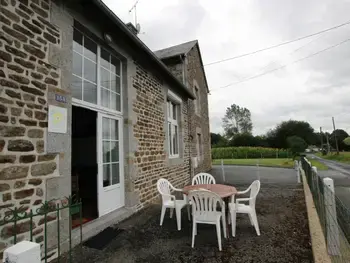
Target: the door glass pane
(90, 49)
(118, 107)
(115, 173)
(105, 128)
(106, 152)
(113, 101)
(115, 83)
(90, 70)
(105, 78)
(77, 41)
(105, 98)
(174, 110)
(115, 151)
(169, 138)
(176, 143)
(77, 64)
(77, 88)
(90, 92)
(106, 175)
(114, 130)
(105, 57)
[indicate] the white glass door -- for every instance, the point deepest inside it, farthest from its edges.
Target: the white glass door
(110, 166)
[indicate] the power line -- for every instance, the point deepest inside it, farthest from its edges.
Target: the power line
(278, 45)
(283, 66)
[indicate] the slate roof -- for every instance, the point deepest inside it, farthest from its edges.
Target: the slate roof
(177, 50)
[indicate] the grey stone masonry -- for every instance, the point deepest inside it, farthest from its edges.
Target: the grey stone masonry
(26, 35)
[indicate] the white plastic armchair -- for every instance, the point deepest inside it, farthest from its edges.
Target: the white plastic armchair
(203, 178)
(204, 211)
(169, 201)
(237, 207)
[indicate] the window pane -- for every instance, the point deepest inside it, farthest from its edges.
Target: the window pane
(115, 83)
(90, 92)
(105, 78)
(105, 128)
(115, 173)
(105, 97)
(114, 151)
(106, 152)
(77, 88)
(169, 139)
(113, 101)
(77, 64)
(90, 70)
(77, 41)
(114, 130)
(174, 110)
(118, 107)
(176, 142)
(106, 175)
(115, 66)
(105, 58)
(90, 49)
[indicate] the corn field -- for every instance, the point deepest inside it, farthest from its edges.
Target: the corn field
(248, 153)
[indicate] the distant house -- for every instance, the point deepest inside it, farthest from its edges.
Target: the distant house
(87, 108)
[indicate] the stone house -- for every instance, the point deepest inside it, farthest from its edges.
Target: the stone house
(86, 108)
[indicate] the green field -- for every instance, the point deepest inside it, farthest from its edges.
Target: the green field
(282, 163)
(343, 157)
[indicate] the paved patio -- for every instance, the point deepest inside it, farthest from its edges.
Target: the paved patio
(283, 223)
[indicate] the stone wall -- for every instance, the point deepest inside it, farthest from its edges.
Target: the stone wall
(26, 35)
(199, 122)
(151, 159)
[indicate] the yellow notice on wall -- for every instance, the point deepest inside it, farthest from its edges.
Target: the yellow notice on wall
(57, 119)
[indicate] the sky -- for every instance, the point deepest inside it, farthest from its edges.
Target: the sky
(313, 90)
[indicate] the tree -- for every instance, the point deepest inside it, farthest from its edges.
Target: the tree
(237, 120)
(243, 139)
(217, 140)
(346, 141)
(296, 145)
(341, 135)
(278, 136)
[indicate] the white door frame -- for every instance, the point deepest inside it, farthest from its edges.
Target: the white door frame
(101, 191)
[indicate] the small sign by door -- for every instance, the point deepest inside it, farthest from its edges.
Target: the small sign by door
(57, 119)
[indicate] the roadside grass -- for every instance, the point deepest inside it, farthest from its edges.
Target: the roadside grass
(343, 157)
(273, 162)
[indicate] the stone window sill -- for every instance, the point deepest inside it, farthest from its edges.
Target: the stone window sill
(175, 161)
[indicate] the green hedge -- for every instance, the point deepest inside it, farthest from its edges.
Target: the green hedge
(248, 153)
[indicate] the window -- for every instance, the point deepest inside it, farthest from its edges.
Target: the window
(197, 101)
(173, 128)
(96, 74)
(199, 146)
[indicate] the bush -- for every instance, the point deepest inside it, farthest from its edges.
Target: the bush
(248, 153)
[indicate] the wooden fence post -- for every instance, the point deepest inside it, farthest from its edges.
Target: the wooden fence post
(331, 217)
(223, 170)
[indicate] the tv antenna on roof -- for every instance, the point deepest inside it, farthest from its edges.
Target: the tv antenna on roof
(134, 7)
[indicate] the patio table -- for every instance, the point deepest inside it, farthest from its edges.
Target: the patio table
(224, 191)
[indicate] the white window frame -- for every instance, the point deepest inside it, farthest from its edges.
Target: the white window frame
(173, 99)
(99, 106)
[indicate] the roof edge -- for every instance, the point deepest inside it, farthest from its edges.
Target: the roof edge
(142, 46)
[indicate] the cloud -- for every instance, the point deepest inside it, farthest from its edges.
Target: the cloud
(313, 90)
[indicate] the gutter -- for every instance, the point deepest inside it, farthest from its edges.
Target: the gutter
(143, 48)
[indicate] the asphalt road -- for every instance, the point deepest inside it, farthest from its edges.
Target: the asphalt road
(340, 173)
(245, 175)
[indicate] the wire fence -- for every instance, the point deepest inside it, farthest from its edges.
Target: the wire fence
(333, 214)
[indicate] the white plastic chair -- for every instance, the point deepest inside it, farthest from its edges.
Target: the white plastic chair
(203, 178)
(169, 201)
(204, 211)
(237, 207)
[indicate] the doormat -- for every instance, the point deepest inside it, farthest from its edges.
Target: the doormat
(102, 239)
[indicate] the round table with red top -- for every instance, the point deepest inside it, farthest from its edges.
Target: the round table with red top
(222, 190)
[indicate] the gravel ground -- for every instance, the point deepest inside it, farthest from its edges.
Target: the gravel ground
(284, 236)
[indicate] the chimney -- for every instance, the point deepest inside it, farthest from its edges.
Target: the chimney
(132, 28)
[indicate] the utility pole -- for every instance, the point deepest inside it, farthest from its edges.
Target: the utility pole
(321, 137)
(335, 136)
(328, 150)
